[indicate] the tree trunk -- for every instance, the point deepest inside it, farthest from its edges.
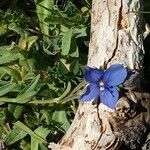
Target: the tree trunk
(116, 37)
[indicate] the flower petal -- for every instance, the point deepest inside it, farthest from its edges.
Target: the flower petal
(92, 91)
(115, 75)
(92, 75)
(109, 97)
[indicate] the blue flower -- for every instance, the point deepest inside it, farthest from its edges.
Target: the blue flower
(103, 84)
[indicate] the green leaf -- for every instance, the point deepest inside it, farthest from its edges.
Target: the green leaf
(10, 71)
(6, 88)
(2, 117)
(74, 52)
(7, 48)
(54, 20)
(42, 132)
(28, 64)
(66, 42)
(81, 32)
(15, 135)
(42, 147)
(28, 92)
(33, 84)
(14, 27)
(23, 127)
(43, 8)
(31, 87)
(16, 110)
(31, 40)
(25, 145)
(9, 57)
(3, 28)
(65, 93)
(62, 69)
(27, 41)
(25, 97)
(61, 117)
(34, 144)
(11, 108)
(74, 67)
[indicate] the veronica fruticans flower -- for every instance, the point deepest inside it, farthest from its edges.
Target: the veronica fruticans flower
(103, 84)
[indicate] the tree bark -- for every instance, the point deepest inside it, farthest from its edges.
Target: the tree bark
(116, 37)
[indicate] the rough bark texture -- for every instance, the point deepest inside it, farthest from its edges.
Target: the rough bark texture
(116, 37)
(116, 33)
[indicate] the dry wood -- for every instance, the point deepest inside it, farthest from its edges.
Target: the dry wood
(116, 37)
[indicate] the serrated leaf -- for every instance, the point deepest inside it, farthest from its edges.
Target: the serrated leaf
(66, 42)
(6, 88)
(15, 135)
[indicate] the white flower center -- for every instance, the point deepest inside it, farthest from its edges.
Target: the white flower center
(101, 83)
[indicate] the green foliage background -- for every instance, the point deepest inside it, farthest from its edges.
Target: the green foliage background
(43, 49)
